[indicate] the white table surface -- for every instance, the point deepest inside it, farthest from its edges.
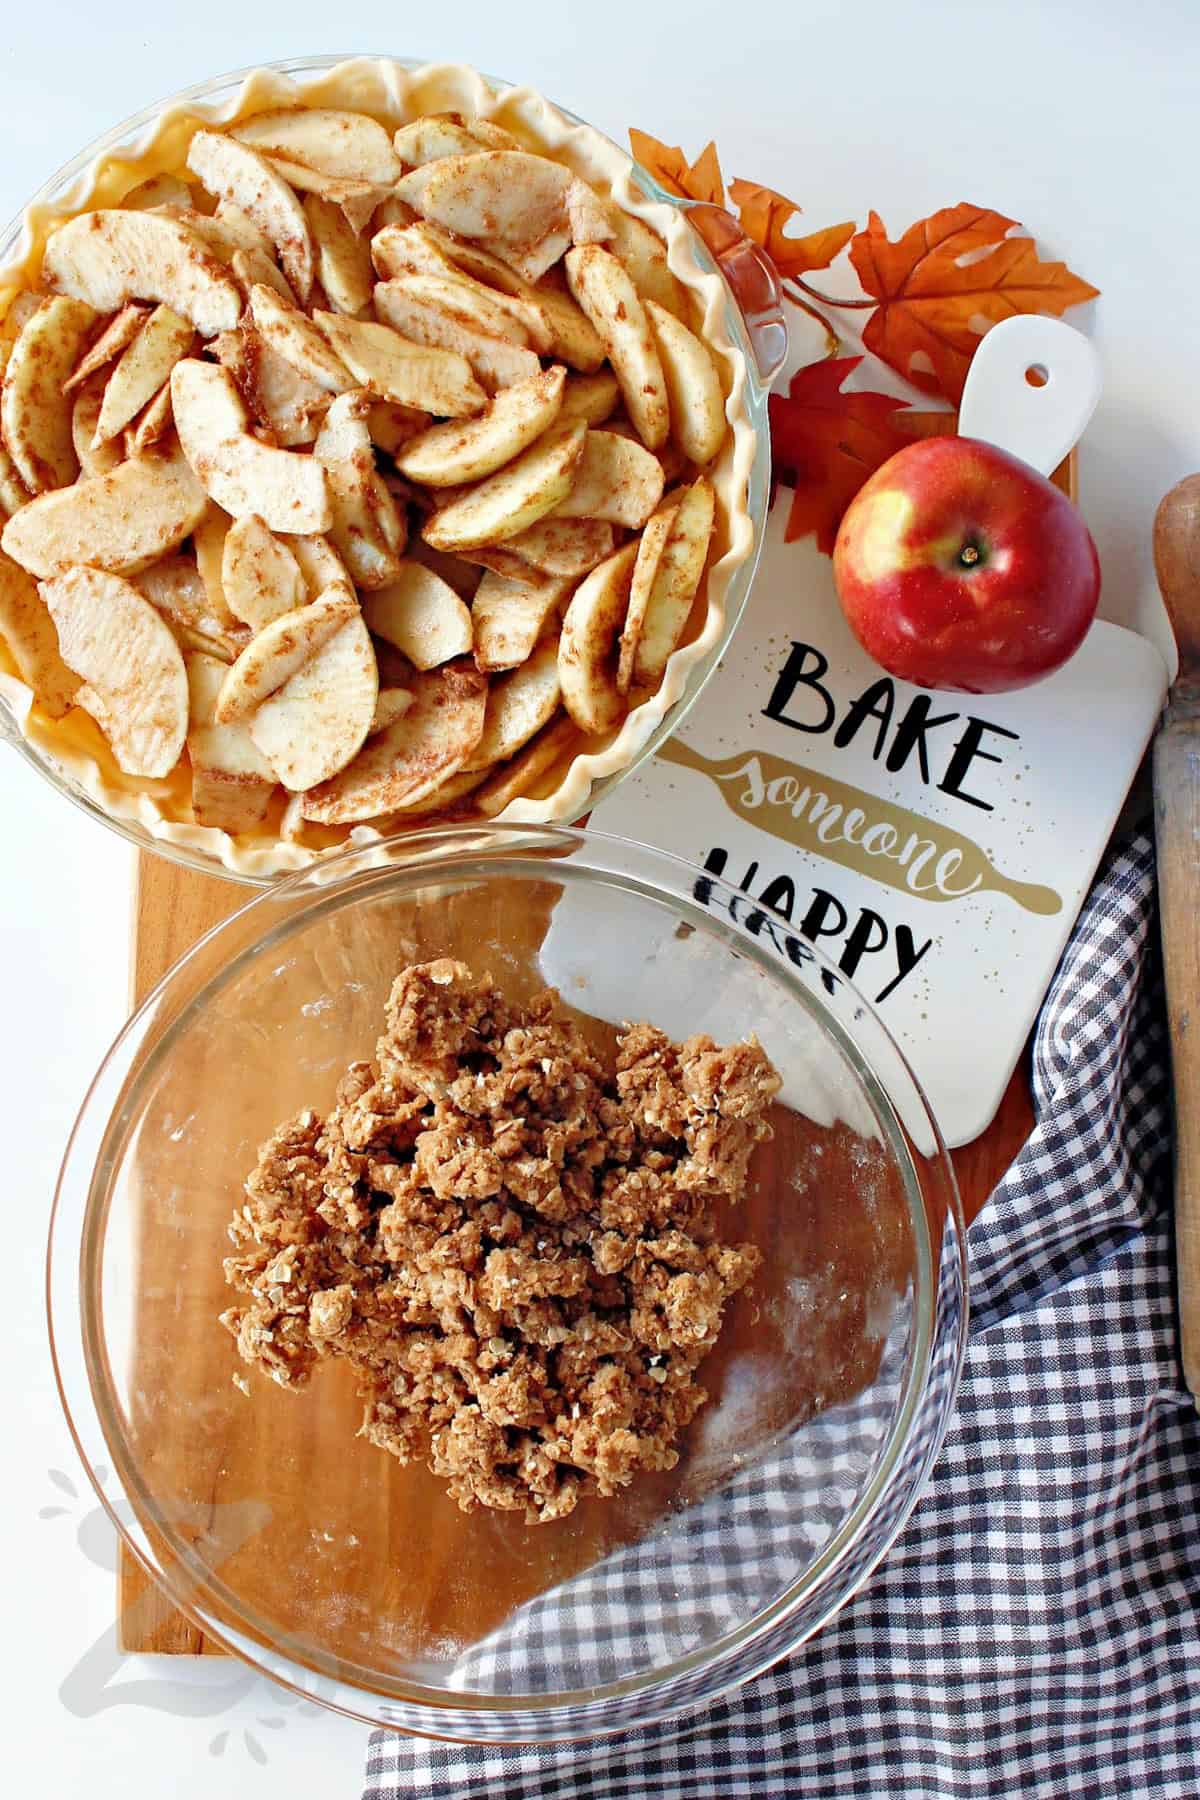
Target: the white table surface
(1077, 119)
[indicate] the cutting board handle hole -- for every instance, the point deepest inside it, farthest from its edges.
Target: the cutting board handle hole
(1037, 375)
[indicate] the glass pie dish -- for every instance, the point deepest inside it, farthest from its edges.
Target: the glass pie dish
(730, 280)
(355, 1580)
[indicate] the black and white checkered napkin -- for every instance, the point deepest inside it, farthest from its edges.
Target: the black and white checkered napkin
(1036, 1629)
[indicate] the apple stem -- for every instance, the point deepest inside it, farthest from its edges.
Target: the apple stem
(828, 299)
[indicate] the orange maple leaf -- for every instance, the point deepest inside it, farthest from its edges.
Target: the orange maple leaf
(764, 214)
(931, 299)
(828, 442)
(700, 180)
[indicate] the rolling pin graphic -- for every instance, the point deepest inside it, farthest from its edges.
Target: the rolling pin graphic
(832, 818)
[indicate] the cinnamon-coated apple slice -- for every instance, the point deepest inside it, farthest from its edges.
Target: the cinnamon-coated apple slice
(417, 308)
(233, 171)
(224, 232)
(421, 250)
(278, 396)
(20, 310)
(592, 398)
(587, 645)
(391, 704)
(260, 576)
(113, 256)
(93, 458)
(367, 530)
(392, 427)
(358, 200)
(413, 757)
(241, 228)
(491, 136)
(275, 653)
(232, 782)
(569, 332)
(546, 308)
(116, 336)
(518, 705)
(153, 423)
(331, 139)
(458, 452)
(508, 616)
(496, 315)
(394, 368)
(122, 521)
(587, 214)
(438, 134)
(566, 547)
(644, 255)
(32, 641)
(508, 502)
(142, 369)
(447, 793)
(253, 269)
(13, 492)
(320, 565)
(318, 720)
(677, 577)
(514, 779)
(343, 259)
(133, 679)
(289, 492)
(208, 547)
(422, 616)
(607, 295)
(693, 386)
(34, 411)
(456, 571)
(292, 335)
(651, 545)
(176, 590)
(617, 480)
(514, 200)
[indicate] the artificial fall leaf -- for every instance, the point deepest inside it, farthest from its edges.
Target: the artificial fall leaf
(926, 325)
(828, 442)
(700, 180)
(764, 214)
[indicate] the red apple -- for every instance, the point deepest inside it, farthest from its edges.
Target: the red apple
(959, 566)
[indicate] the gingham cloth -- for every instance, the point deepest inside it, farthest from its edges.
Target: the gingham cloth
(1036, 1629)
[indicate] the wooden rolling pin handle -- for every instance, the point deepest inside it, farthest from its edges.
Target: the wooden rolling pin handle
(1177, 830)
(1177, 836)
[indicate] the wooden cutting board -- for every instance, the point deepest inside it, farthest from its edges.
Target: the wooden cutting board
(173, 908)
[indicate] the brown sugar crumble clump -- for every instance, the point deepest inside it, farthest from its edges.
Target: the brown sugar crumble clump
(511, 1240)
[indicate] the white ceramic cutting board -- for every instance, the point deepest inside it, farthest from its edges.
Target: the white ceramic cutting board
(937, 846)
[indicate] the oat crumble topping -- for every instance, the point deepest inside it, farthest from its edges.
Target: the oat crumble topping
(510, 1240)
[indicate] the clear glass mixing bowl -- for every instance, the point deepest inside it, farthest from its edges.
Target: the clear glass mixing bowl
(321, 1560)
(754, 319)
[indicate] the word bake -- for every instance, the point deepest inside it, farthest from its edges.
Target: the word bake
(902, 736)
(921, 855)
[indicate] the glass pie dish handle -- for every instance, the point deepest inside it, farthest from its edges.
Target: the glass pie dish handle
(753, 281)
